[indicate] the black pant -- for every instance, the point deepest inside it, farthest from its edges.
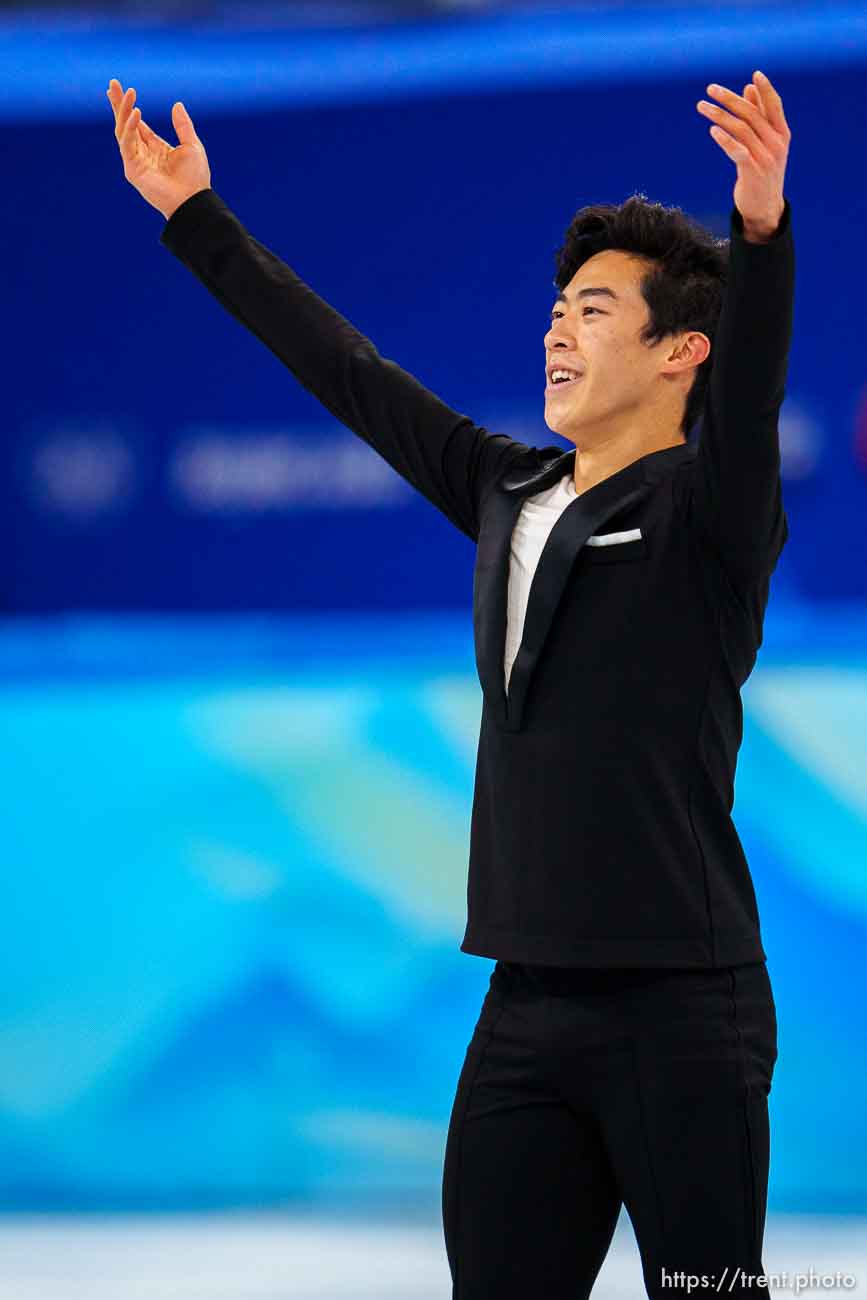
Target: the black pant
(583, 1090)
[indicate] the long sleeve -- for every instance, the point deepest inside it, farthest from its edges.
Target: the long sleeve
(737, 489)
(440, 452)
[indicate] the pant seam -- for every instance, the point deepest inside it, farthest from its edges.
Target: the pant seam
(459, 1231)
(752, 1242)
(660, 1209)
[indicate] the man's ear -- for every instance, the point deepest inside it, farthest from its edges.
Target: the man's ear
(690, 350)
(700, 346)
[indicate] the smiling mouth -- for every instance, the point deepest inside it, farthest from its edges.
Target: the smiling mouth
(562, 384)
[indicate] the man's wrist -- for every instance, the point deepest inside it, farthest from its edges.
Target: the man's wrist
(762, 232)
(169, 211)
(759, 234)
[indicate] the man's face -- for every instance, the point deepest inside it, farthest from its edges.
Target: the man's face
(625, 386)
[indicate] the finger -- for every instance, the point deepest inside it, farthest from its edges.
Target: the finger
(772, 102)
(753, 97)
(742, 118)
(183, 124)
(129, 141)
(739, 153)
(122, 114)
(741, 111)
(742, 134)
(114, 93)
(735, 128)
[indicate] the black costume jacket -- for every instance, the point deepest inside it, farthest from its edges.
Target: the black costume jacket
(601, 827)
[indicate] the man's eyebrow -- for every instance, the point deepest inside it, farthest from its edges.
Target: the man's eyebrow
(585, 293)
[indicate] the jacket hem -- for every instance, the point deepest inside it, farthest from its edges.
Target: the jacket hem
(546, 950)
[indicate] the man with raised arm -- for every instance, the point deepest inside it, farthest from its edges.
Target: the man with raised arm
(624, 1052)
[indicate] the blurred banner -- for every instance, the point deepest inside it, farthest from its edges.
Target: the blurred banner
(229, 940)
(157, 456)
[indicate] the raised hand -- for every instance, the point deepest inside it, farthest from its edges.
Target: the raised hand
(755, 135)
(165, 176)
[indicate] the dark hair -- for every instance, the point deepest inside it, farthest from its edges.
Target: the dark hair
(684, 290)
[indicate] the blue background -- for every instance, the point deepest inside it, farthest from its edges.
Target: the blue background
(237, 693)
(428, 214)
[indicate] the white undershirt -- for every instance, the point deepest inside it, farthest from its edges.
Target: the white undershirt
(538, 516)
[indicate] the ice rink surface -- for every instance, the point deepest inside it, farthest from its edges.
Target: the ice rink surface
(274, 1256)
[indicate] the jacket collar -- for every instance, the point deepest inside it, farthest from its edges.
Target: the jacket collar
(557, 463)
(580, 520)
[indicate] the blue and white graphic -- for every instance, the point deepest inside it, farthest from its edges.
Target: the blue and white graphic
(233, 902)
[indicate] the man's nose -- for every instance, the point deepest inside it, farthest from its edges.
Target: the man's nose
(559, 335)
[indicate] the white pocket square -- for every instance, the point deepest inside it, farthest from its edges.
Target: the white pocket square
(610, 539)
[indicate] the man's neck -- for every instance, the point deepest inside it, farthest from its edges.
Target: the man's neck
(597, 464)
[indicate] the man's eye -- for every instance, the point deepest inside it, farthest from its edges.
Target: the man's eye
(555, 314)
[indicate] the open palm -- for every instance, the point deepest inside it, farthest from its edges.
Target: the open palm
(165, 176)
(753, 131)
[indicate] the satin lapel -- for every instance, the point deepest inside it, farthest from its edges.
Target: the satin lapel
(491, 572)
(490, 589)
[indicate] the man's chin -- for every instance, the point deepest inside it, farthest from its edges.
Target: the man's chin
(559, 423)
